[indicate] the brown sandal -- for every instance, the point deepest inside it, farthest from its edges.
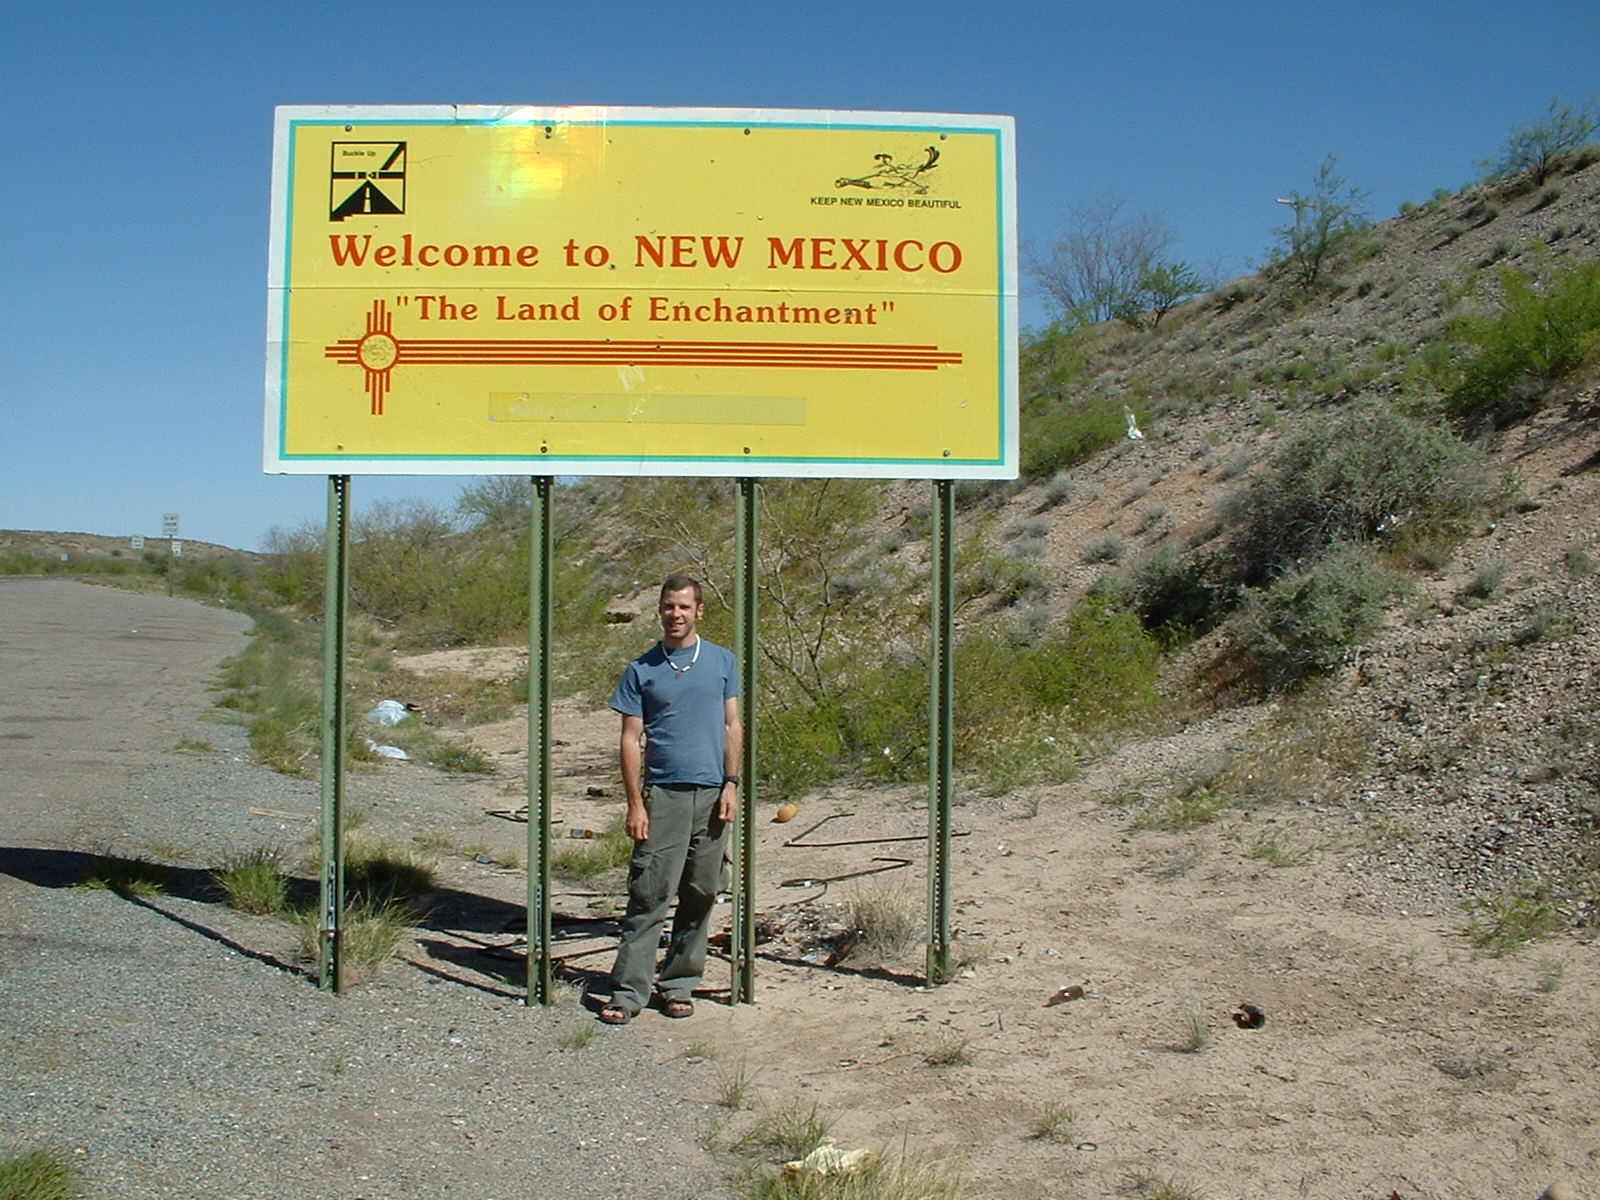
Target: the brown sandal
(615, 1014)
(676, 1007)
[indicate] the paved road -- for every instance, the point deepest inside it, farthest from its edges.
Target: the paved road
(99, 684)
(175, 1048)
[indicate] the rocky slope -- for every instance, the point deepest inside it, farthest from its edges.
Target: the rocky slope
(1476, 707)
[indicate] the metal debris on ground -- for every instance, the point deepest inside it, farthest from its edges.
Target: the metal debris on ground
(799, 838)
(889, 864)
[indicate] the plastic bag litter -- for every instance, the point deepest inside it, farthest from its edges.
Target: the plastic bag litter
(388, 712)
(829, 1159)
(386, 751)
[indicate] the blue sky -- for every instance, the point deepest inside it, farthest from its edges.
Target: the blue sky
(133, 232)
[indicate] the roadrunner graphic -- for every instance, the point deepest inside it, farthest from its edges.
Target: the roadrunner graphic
(890, 174)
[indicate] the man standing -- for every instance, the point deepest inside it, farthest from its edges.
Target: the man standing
(680, 724)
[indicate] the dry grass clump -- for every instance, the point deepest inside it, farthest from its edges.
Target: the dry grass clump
(586, 858)
(886, 923)
(254, 882)
(1194, 1031)
(372, 933)
(39, 1175)
(1055, 1124)
(950, 1051)
(127, 876)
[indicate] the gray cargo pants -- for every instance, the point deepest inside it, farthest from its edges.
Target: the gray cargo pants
(683, 854)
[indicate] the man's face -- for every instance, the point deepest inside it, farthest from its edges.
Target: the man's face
(679, 615)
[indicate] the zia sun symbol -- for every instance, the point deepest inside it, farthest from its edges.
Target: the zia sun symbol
(377, 352)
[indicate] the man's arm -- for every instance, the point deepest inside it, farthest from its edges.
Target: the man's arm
(732, 755)
(631, 754)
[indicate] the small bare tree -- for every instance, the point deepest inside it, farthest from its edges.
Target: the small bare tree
(1091, 270)
(1328, 222)
(1161, 288)
(1539, 148)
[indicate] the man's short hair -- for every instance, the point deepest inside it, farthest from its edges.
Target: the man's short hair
(678, 583)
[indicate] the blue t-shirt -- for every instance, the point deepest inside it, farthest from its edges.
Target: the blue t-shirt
(682, 710)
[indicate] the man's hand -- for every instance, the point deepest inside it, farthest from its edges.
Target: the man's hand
(728, 803)
(638, 823)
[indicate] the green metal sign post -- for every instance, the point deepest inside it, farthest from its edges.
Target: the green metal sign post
(335, 597)
(742, 946)
(539, 634)
(941, 730)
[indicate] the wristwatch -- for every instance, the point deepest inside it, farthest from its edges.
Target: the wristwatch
(727, 779)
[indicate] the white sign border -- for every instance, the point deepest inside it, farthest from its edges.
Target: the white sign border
(287, 116)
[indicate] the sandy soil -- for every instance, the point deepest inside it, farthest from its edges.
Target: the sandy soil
(1394, 1060)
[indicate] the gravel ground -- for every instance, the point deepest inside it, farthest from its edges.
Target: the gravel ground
(177, 1048)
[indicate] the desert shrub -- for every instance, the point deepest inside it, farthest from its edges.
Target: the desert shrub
(887, 921)
(1487, 581)
(1365, 474)
(1102, 262)
(1549, 621)
(1172, 598)
(1329, 224)
(1019, 703)
(1004, 757)
(1189, 809)
(403, 560)
(1540, 334)
(1502, 924)
(1538, 150)
(798, 750)
(433, 577)
(1160, 288)
(1060, 432)
(1101, 667)
(1110, 548)
(1002, 576)
(215, 578)
(1059, 490)
(882, 720)
(1026, 529)
(1307, 622)
(1052, 359)
(1240, 461)
(871, 719)
(292, 569)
